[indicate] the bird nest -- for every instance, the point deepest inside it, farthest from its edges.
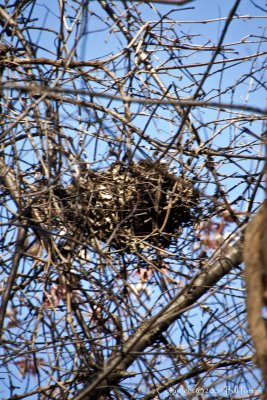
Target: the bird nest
(124, 206)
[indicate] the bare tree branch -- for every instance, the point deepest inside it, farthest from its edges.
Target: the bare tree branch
(132, 158)
(137, 100)
(150, 329)
(22, 233)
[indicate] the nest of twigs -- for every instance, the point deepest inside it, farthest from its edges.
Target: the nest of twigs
(124, 206)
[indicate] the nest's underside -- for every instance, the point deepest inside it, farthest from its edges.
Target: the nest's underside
(123, 206)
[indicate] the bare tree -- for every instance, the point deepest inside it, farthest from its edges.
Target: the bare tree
(131, 161)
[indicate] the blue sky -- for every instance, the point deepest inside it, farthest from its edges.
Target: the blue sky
(99, 43)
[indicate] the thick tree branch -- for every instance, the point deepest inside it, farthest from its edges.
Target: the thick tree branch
(256, 281)
(148, 331)
(21, 237)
